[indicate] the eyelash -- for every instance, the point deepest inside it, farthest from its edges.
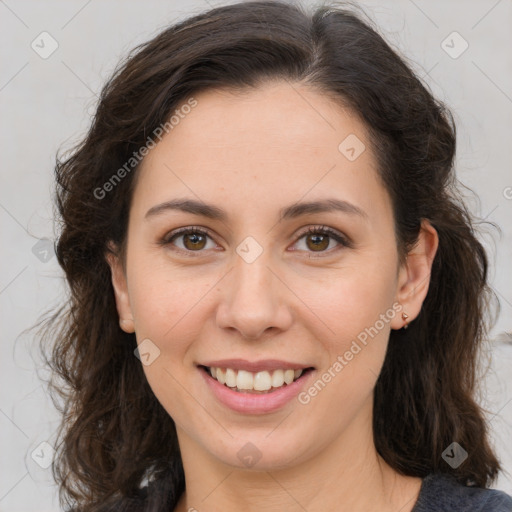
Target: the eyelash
(312, 230)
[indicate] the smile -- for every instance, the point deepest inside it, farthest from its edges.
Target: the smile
(255, 387)
(265, 381)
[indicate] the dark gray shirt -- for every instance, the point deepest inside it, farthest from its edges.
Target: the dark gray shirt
(442, 493)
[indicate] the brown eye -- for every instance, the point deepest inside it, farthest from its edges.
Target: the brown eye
(192, 240)
(318, 241)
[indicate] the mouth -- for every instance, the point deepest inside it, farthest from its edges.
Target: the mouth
(261, 382)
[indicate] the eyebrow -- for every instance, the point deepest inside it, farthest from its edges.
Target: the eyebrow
(290, 212)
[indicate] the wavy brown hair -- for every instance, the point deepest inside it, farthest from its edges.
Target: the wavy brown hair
(115, 434)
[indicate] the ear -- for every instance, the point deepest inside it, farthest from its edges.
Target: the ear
(120, 290)
(414, 275)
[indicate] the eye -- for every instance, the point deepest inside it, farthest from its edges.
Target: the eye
(318, 239)
(194, 239)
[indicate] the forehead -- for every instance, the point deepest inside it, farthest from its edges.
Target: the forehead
(274, 144)
(276, 114)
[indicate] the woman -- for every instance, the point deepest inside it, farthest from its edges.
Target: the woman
(277, 298)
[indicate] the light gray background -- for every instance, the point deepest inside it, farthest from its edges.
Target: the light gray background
(46, 104)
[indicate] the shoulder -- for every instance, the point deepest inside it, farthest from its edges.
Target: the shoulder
(440, 493)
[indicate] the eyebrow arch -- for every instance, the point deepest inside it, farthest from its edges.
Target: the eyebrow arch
(289, 212)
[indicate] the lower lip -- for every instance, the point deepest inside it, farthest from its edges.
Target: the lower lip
(255, 403)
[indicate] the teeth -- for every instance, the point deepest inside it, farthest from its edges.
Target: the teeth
(221, 375)
(288, 376)
(262, 381)
(230, 378)
(277, 378)
(248, 381)
(244, 380)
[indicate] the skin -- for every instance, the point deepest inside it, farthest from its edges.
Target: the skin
(252, 154)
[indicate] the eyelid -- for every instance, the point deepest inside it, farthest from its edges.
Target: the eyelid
(340, 238)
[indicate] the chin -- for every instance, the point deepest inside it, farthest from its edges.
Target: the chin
(263, 452)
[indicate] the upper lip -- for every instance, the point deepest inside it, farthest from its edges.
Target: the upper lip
(256, 366)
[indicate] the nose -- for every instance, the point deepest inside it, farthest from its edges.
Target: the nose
(254, 300)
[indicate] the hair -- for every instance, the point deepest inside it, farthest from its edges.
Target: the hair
(114, 432)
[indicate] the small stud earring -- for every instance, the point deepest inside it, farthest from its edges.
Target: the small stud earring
(405, 316)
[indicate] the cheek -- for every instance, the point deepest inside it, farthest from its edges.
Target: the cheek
(164, 300)
(169, 310)
(169, 304)
(350, 299)
(356, 310)
(358, 314)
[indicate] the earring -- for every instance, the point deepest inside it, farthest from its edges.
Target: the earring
(405, 316)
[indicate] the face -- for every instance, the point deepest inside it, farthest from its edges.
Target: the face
(258, 284)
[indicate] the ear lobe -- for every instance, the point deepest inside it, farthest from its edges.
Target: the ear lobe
(120, 290)
(414, 276)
